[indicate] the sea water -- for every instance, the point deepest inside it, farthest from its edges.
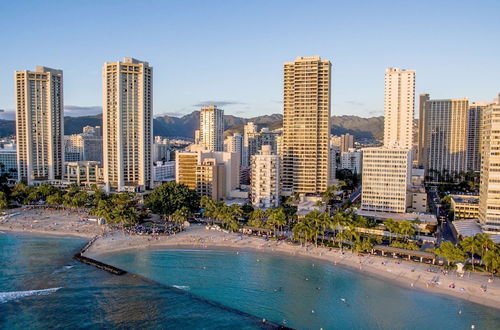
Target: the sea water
(42, 287)
(304, 293)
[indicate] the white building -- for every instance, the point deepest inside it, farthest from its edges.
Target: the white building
(39, 124)
(265, 179)
(212, 128)
(386, 178)
(127, 125)
(160, 150)
(234, 143)
(399, 107)
(164, 171)
(351, 160)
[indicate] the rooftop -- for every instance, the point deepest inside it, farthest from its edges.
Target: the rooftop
(465, 199)
(424, 217)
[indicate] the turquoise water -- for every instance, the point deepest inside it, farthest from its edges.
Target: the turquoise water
(275, 287)
(41, 287)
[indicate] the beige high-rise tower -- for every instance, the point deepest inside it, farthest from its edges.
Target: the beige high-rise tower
(39, 124)
(306, 125)
(444, 129)
(212, 128)
(489, 192)
(127, 124)
(399, 104)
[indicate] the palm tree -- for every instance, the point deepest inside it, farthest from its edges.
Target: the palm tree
(406, 229)
(485, 243)
(492, 260)
(470, 245)
(392, 227)
(451, 252)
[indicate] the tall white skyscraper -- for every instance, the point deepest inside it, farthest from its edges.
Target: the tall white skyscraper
(127, 124)
(39, 124)
(399, 105)
(306, 126)
(212, 128)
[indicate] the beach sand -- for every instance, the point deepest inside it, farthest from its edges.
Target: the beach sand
(44, 221)
(412, 275)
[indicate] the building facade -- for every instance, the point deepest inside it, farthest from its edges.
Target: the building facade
(346, 142)
(265, 179)
(8, 160)
(127, 125)
(306, 126)
(39, 124)
(351, 160)
(212, 128)
(489, 191)
(445, 137)
(474, 136)
(386, 179)
(399, 107)
(234, 143)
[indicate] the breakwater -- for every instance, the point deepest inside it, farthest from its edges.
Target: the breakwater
(89, 261)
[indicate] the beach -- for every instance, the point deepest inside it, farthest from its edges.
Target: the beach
(47, 221)
(412, 275)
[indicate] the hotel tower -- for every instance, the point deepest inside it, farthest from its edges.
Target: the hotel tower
(127, 124)
(399, 104)
(39, 124)
(212, 128)
(306, 126)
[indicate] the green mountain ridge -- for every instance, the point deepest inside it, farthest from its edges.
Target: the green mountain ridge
(169, 126)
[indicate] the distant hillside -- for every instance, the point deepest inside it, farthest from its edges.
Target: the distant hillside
(361, 128)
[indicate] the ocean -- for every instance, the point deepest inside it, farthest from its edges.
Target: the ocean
(42, 287)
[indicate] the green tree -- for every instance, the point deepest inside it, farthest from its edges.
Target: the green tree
(4, 202)
(406, 229)
(277, 219)
(470, 245)
(172, 196)
(485, 243)
(492, 260)
(392, 226)
(450, 252)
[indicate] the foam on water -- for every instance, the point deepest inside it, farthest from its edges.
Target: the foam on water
(7, 296)
(182, 287)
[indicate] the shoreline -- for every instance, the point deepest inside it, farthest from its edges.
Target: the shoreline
(44, 233)
(409, 275)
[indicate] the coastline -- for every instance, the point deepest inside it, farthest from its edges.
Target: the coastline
(410, 275)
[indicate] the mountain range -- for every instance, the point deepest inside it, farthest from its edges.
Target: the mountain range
(184, 127)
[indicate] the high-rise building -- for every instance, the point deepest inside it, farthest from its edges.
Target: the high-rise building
(306, 126)
(39, 124)
(234, 143)
(160, 150)
(86, 146)
(386, 178)
(8, 160)
(489, 193)
(127, 124)
(399, 105)
(212, 128)
(249, 131)
(474, 136)
(445, 137)
(265, 178)
(263, 138)
(422, 129)
(346, 142)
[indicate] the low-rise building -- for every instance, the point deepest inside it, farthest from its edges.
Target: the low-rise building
(465, 206)
(417, 199)
(85, 173)
(8, 160)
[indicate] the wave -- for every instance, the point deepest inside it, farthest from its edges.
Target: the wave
(182, 287)
(7, 296)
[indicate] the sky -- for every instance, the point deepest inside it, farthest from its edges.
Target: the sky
(231, 53)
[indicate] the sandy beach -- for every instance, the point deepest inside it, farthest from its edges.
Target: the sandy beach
(59, 222)
(412, 275)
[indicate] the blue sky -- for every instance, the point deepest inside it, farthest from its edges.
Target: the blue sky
(232, 52)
